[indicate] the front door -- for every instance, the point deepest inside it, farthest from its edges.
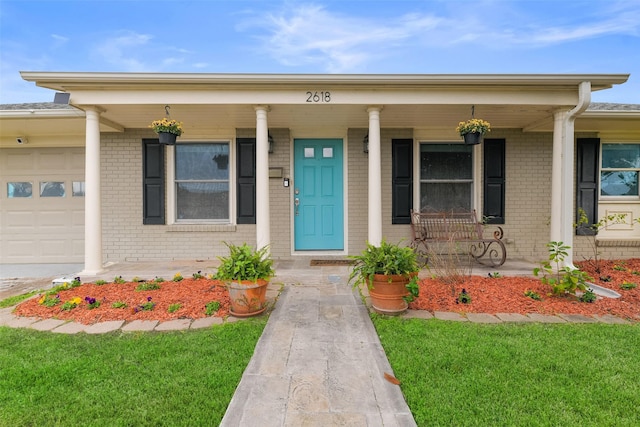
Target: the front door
(318, 195)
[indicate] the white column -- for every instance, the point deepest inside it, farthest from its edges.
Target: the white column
(556, 175)
(375, 178)
(92, 199)
(263, 215)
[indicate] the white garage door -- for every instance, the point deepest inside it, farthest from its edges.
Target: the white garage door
(42, 205)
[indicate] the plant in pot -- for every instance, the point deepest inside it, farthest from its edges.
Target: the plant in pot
(390, 272)
(167, 129)
(246, 273)
(473, 130)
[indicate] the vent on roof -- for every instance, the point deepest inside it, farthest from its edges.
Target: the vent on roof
(61, 98)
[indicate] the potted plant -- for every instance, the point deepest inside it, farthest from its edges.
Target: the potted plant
(390, 272)
(246, 273)
(473, 130)
(167, 129)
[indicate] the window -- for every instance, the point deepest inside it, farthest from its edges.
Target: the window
(446, 177)
(620, 170)
(202, 182)
(19, 189)
(77, 189)
(52, 189)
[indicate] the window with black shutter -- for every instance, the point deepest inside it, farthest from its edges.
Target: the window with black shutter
(153, 182)
(587, 183)
(402, 180)
(494, 181)
(246, 179)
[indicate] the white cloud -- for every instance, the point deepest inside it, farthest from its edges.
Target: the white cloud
(123, 50)
(313, 35)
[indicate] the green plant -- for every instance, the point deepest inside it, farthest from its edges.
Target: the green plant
(167, 125)
(464, 297)
(584, 227)
(71, 304)
(472, 126)
(148, 305)
(211, 307)
(13, 300)
(100, 282)
(119, 280)
(245, 263)
(159, 279)
(588, 296)
(627, 286)
(620, 267)
(49, 301)
(533, 295)
(177, 277)
(137, 279)
(564, 280)
(119, 304)
(198, 275)
(495, 275)
(148, 286)
(174, 307)
(92, 303)
(387, 259)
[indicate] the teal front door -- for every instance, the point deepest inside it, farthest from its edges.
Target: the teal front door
(318, 195)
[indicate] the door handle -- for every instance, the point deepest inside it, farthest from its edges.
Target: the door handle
(296, 203)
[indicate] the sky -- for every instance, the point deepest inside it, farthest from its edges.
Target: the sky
(324, 37)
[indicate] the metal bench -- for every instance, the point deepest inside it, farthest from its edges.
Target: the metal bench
(459, 227)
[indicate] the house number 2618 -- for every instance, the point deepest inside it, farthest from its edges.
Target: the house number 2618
(318, 96)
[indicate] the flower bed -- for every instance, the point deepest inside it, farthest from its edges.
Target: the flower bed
(507, 294)
(186, 298)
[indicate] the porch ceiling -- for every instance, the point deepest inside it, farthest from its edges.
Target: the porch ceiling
(202, 117)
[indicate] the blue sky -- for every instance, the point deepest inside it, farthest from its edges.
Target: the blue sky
(295, 36)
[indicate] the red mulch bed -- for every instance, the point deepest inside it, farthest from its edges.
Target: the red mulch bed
(506, 294)
(488, 295)
(193, 294)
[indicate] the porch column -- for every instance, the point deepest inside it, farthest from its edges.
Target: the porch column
(263, 216)
(92, 199)
(375, 178)
(563, 170)
(559, 118)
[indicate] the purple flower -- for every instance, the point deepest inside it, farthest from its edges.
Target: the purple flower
(148, 298)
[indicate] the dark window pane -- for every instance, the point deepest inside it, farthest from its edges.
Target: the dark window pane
(202, 161)
(445, 196)
(203, 200)
(621, 156)
(445, 161)
(619, 183)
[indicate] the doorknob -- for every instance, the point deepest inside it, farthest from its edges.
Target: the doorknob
(296, 203)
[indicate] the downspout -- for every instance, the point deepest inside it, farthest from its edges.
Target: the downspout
(562, 192)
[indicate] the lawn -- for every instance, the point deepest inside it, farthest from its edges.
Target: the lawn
(123, 379)
(466, 374)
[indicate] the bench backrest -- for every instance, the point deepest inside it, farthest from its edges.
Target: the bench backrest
(445, 225)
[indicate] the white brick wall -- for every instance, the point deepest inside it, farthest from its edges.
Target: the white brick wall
(528, 189)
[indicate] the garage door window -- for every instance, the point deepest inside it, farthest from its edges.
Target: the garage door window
(77, 189)
(19, 189)
(52, 189)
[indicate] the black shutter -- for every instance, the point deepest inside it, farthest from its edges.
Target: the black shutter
(588, 150)
(402, 180)
(494, 181)
(246, 175)
(153, 201)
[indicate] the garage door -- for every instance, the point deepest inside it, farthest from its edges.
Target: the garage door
(42, 205)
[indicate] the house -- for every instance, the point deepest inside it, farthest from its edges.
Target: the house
(309, 164)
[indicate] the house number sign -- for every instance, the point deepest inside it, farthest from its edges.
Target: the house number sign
(317, 97)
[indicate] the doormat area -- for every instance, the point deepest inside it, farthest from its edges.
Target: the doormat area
(322, 262)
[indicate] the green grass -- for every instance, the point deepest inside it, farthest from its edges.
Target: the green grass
(11, 301)
(467, 374)
(122, 379)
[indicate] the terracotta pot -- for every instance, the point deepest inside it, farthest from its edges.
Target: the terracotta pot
(247, 297)
(387, 293)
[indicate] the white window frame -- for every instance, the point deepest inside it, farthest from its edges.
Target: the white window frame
(606, 198)
(475, 171)
(171, 195)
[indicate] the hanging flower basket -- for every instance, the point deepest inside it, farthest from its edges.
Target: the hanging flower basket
(473, 130)
(168, 130)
